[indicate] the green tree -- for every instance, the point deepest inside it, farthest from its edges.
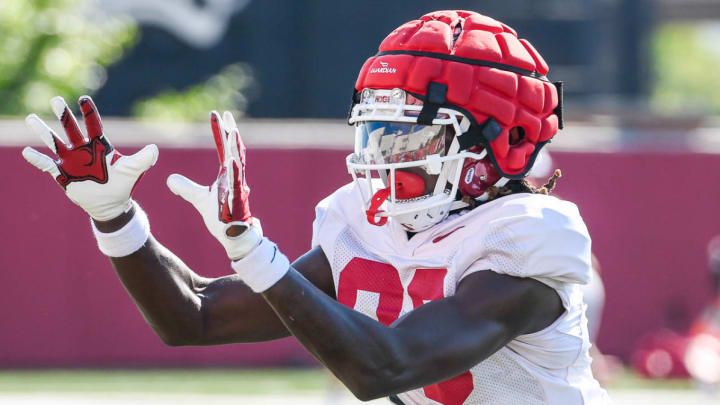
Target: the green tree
(225, 90)
(56, 47)
(686, 57)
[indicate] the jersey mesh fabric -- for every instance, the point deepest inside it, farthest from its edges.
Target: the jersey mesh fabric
(508, 256)
(346, 249)
(503, 381)
(540, 237)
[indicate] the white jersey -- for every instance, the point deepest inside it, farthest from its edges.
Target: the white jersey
(380, 273)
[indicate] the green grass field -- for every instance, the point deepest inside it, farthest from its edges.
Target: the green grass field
(211, 381)
(263, 387)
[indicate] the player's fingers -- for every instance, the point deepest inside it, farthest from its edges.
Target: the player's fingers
(91, 116)
(229, 124)
(186, 188)
(237, 155)
(240, 146)
(235, 168)
(67, 119)
(236, 147)
(233, 173)
(48, 136)
(229, 121)
(141, 161)
(41, 161)
(218, 131)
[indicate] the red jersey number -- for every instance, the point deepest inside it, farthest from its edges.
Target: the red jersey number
(384, 280)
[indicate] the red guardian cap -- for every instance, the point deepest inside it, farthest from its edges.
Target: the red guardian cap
(479, 67)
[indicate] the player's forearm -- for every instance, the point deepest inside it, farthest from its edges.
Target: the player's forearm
(372, 360)
(184, 308)
(161, 287)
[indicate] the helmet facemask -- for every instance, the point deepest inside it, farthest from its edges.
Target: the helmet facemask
(405, 170)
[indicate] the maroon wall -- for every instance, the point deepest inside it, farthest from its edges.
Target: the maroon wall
(62, 304)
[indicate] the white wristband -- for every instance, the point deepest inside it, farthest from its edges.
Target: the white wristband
(127, 239)
(262, 267)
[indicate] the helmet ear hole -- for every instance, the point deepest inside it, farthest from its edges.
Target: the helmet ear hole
(517, 134)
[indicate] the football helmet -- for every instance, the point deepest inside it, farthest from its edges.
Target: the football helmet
(452, 104)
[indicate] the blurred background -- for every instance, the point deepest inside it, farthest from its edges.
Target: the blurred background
(640, 156)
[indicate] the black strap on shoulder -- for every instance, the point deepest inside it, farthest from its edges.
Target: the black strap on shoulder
(487, 132)
(434, 98)
(559, 109)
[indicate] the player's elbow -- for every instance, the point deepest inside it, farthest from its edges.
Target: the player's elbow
(174, 341)
(366, 396)
(171, 339)
(176, 338)
(365, 390)
(187, 329)
(376, 383)
(372, 388)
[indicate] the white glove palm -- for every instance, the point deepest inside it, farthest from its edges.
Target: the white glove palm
(224, 206)
(95, 176)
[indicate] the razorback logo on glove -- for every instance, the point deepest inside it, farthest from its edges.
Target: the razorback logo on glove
(86, 162)
(83, 160)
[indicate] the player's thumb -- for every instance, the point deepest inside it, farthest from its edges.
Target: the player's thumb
(42, 162)
(186, 188)
(142, 160)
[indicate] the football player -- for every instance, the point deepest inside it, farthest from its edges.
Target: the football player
(437, 276)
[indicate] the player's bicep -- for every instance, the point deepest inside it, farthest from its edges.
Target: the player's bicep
(315, 267)
(443, 338)
(232, 313)
(520, 305)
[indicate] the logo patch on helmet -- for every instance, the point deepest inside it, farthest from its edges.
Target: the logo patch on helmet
(469, 175)
(384, 68)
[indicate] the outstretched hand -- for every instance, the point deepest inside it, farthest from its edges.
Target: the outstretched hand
(93, 174)
(224, 205)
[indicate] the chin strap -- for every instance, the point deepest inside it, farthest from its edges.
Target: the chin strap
(377, 200)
